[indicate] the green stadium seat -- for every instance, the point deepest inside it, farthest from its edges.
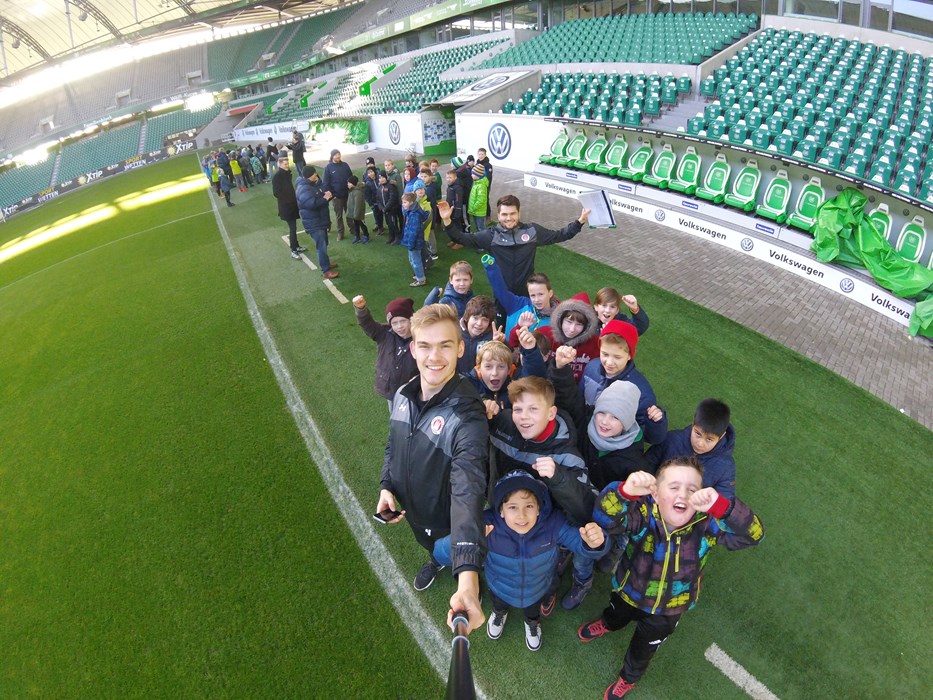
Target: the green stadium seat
(662, 169)
(615, 157)
(776, 198)
(714, 184)
(881, 218)
(912, 240)
(593, 155)
(574, 150)
(808, 203)
(558, 148)
(688, 173)
(745, 188)
(638, 163)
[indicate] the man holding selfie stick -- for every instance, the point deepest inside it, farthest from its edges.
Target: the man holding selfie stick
(436, 458)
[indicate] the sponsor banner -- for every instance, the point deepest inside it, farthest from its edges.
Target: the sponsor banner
(514, 142)
(281, 132)
(483, 87)
(838, 279)
(398, 132)
(436, 128)
(61, 188)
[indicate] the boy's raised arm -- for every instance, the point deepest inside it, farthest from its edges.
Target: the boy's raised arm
(510, 302)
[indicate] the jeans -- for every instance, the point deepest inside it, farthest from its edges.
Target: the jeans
(319, 236)
(479, 223)
(414, 257)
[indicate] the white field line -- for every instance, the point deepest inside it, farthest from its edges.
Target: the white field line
(104, 245)
(434, 644)
(738, 675)
(327, 283)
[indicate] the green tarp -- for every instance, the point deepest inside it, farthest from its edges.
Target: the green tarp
(845, 235)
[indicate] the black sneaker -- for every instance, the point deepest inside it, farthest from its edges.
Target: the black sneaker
(563, 561)
(576, 594)
(296, 255)
(426, 576)
(301, 249)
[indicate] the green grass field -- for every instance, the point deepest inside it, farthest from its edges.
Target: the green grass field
(166, 534)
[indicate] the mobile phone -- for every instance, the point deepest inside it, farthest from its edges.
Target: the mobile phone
(386, 515)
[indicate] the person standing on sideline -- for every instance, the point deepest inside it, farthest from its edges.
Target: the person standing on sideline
(272, 155)
(284, 191)
(313, 205)
(297, 147)
(336, 175)
(436, 458)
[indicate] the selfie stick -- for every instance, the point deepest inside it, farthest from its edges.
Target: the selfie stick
(460, 680)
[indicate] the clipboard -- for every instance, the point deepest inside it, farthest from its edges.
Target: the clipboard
(601, 214)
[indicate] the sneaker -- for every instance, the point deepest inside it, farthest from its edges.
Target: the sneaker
(231, 204)
(427, 575)
(564, 561)
(355, 240)
(547, 607)
(435, 257)
(576, 594)
(592, 630)
(333, 266)
(532, 635)
(296, 255)
(331, 274)
(365, 239)
(618, 689)
(496, 624)
(301, 249)
(418, 283)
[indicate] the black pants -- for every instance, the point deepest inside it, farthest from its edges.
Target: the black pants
(650, 631)
(426, 537)
(378, 218)
(293, 234)
(357, 227)
(227, 196)
(532, 612)
(393, 219)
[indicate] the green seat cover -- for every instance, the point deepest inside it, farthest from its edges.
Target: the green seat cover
(558, 148)
(574, 150)
(881, 218)
(638, 163)
(688, 173)
(808, 202)
(776, 199)
(615, 157)
(660, 175)
(745, 188)
(714, 184)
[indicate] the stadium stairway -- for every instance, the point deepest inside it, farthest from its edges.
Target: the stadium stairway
(676, 116)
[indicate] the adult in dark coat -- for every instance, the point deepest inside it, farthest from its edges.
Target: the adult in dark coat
(336, 174)
(297, 147)
(284, 191)
(313, 207)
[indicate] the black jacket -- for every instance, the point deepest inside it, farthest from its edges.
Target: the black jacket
(487, 167)
(570, 486)
(605, 467)
(436, 461)
(315, 214)
(335, 178)
(514, 250)
(370, 191)
(455, 200)
(394, 362)
(387, 198)
(283, 189)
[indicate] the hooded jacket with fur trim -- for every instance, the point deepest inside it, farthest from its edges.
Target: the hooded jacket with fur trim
(587, 342)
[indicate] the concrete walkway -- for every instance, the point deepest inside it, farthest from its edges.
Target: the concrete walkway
(857, 343)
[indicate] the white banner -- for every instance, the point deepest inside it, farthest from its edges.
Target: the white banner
(280, 133)
(397, 132)
(514, 142)
(835, 278)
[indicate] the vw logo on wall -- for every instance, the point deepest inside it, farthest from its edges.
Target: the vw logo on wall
(490, 82)
(395, 132)
(533, 182)
(659, 215)
(500, 142)
(846, 285)
(747, 244)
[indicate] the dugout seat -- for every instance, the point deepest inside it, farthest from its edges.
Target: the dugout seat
(688, 173)
(912, 239)
(808, 203)
(745, 188)
(593, 155)
(714, 184)
(574, 150)
(776, 199)
(558, 148)
(663, 168)
(615, 157)
(880, 216)
(638, 163)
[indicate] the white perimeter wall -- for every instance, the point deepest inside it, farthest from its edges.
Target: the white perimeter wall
(517, 140)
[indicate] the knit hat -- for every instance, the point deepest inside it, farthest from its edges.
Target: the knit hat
(619, 399)
(333, 153)
(353, 180)
(308, 171)
(516, 480)
(626, 330)
(470, 159)
(456, 161)
(400, 308)
(370, 161)
(479, 170)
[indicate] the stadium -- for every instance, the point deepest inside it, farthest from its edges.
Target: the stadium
(191, 441)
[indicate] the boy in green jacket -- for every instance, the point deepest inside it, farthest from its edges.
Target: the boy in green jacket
(479, 197)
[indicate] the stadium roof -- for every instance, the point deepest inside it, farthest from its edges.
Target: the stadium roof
(36, 33)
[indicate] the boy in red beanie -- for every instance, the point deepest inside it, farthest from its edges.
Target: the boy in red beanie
(394, 362)
(617, 343)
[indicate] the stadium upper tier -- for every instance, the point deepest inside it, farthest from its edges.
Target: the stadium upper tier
(180, 120)
(309, 33)
(88, 155)
(610, 97)
(851, 106)
(663, 38)
(25, 181)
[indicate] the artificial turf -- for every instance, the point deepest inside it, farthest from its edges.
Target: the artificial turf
(165, 532)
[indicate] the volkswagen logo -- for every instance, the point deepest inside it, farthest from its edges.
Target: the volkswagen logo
(500, 142)
(747, 244)
(533, 182)
(846, 285)
(395, 132)
(659, 214)
(490, 82)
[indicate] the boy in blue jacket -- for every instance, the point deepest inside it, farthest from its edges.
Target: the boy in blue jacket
(523, 536)
(711, 439)
(413, 236)
(617, 343)
(459, 288)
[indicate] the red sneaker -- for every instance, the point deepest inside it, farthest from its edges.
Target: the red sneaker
(618, 689)
(547, 607)
(592, 630)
